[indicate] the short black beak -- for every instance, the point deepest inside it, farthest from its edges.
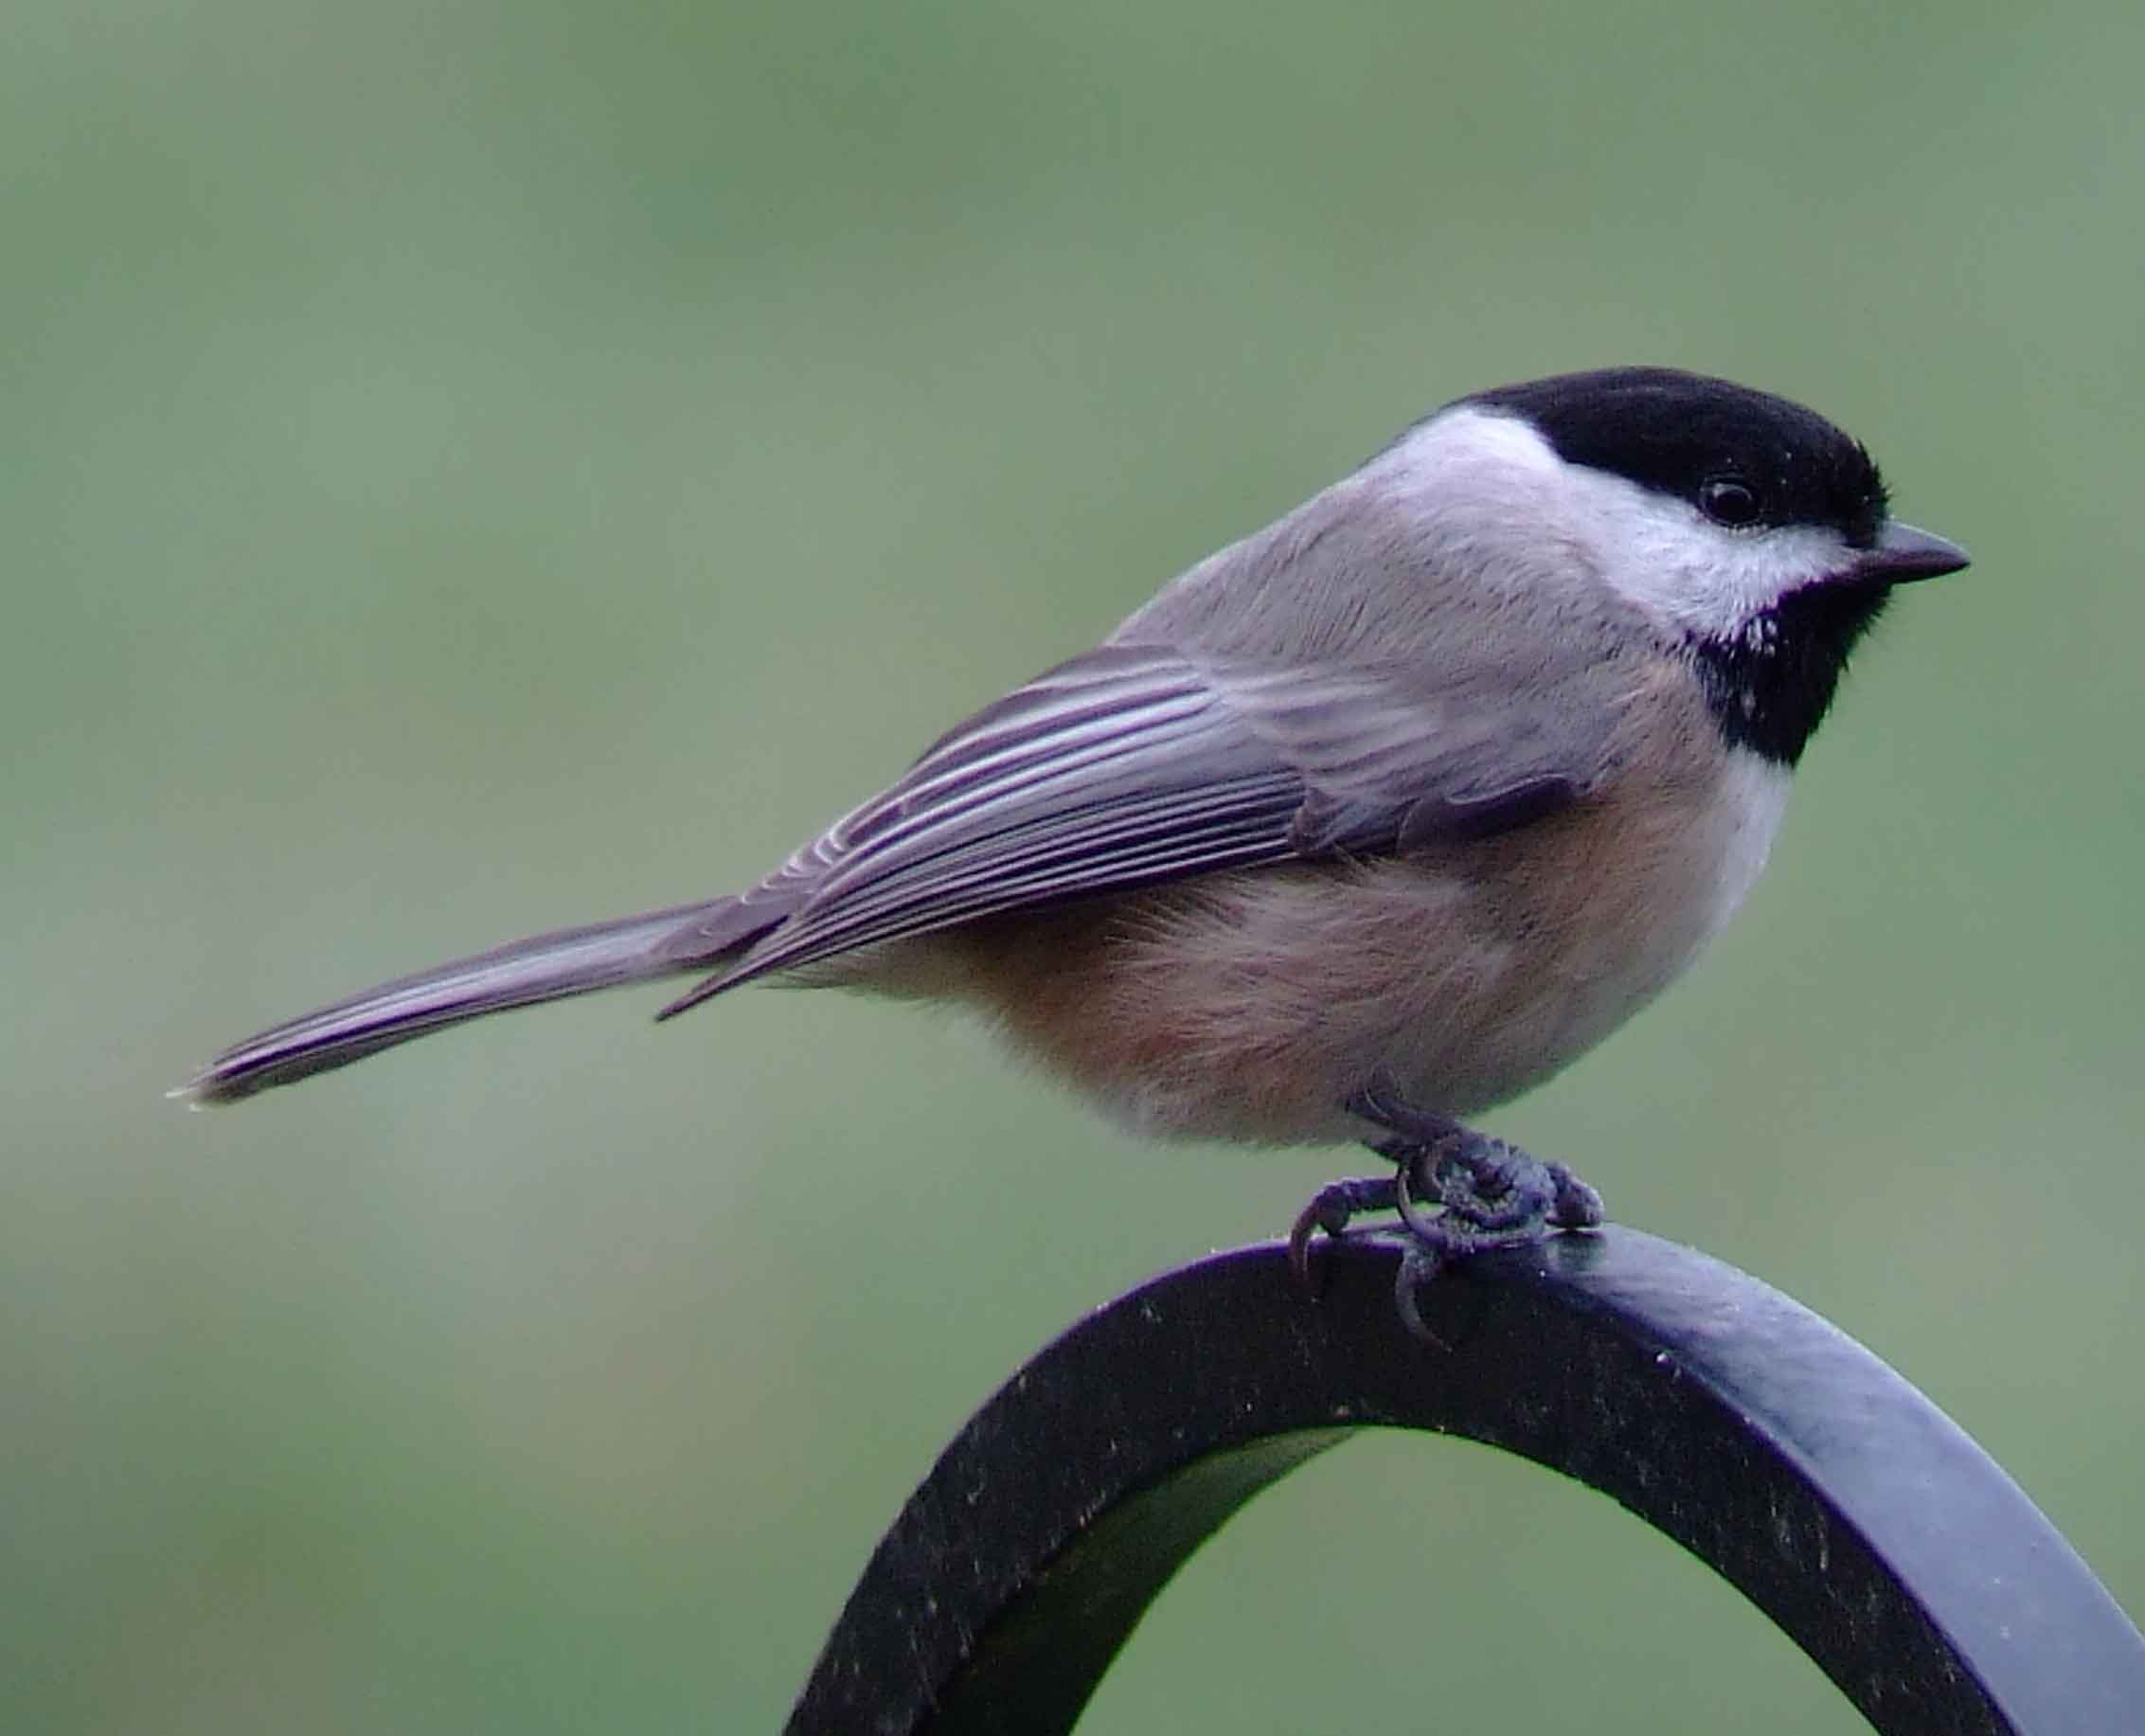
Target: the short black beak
(1903, 554)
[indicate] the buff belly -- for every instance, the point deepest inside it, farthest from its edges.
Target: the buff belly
(1249, 1005)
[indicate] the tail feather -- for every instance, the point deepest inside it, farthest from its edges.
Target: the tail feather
(543, 968)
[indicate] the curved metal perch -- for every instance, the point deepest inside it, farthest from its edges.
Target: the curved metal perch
(1817, 1480)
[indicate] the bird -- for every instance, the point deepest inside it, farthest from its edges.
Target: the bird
(1362, 826)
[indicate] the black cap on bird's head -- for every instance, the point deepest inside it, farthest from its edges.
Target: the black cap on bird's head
(1698, 437)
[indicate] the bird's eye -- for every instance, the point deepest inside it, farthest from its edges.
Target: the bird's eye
(1726, 501)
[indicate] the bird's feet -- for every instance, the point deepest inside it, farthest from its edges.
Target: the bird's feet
(1485, 1194)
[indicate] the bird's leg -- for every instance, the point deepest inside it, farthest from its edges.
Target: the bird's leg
(1490, 1193)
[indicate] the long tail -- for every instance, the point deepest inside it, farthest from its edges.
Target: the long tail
(543, 968)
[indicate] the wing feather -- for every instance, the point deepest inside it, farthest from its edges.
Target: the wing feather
(1141, 764)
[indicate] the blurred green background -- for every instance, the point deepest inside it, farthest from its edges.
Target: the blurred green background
(468, 469)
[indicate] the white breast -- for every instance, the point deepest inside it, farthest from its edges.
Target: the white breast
(1754, 798)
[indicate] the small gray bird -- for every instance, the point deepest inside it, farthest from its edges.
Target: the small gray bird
(1366, 823)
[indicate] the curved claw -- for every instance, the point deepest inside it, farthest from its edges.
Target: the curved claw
(1307, 1221)
(1331, 1209)
(1429, 1232)
(1417, 1266)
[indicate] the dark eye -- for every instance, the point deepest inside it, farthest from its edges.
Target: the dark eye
(1726, 501)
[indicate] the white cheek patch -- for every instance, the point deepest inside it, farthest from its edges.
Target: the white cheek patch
(1697, 577)
(1496, 502)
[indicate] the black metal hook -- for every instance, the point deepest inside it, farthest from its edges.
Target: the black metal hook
(1816, 1479)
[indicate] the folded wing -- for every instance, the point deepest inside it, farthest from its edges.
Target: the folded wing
(1140, 763)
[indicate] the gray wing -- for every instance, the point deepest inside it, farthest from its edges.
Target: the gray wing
(1136, 764)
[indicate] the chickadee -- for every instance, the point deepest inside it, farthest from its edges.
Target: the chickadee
(1366, 823)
